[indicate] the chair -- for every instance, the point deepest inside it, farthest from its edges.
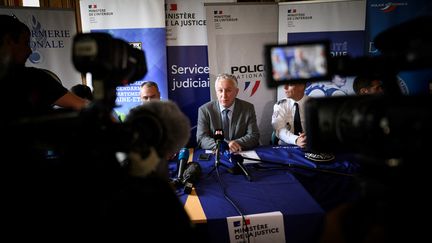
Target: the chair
(274, 139)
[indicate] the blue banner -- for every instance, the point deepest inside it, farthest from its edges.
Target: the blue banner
(152, 42)
(382, 15)
(189, 81)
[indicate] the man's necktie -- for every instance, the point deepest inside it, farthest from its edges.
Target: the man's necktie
(225, 122)
(297, 122)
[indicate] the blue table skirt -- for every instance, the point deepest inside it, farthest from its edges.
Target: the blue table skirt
(269, 190)
(273, 188)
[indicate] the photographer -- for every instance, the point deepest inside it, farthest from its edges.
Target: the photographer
(37, 90)
(83, 190)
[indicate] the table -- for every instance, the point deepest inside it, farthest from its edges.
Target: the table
(271, 189)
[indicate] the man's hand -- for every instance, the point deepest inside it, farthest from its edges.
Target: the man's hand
(301, 140)
(234, 146)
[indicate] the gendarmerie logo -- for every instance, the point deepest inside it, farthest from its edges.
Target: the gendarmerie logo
(42, 38)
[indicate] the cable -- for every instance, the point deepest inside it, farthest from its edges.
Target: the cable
(294, 166)
(220, 183)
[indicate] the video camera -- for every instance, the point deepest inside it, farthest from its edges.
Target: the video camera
(88, 133)
(112, 62)
(108, 58)
(387, 125)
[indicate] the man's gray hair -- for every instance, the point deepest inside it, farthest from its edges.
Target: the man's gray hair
(228, 77)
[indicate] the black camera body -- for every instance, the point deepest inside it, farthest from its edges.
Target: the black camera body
(108, 58)
(390, 125)
(375, 125)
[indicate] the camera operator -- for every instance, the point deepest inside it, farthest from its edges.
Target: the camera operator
(36, 91)
(84, 191)
(32, 185)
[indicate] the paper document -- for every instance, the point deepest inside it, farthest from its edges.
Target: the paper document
(249, 154)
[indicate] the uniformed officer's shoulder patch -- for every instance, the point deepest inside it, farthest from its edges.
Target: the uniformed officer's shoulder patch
(280, 102)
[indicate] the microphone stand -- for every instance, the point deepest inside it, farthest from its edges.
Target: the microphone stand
(294, 166)
(238, 160)
(217, 157)
(219, 137)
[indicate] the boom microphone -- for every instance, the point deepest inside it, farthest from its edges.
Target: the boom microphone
(159, 124)
(191, 176)
(183, 158)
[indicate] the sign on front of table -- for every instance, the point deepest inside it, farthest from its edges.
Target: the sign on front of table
(263, 227)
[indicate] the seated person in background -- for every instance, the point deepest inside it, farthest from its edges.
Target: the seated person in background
(149, 91)
(241, 130)
(283, 119)
(364, 85)
(82, 91)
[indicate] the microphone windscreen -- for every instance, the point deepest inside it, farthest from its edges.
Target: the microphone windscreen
(167, 127)
(192, 173)
(218, 134)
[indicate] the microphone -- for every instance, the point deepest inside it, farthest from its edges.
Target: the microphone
(183, 159)
(191, 176)
(238, 160)
(219, 137)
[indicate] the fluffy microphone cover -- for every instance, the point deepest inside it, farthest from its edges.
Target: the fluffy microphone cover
(162, 125)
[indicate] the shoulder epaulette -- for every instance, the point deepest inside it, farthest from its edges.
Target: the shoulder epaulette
(281, 101)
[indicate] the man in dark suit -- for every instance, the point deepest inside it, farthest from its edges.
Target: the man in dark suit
(241, 129)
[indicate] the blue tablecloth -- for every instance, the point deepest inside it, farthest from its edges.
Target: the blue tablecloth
(293, 155)
(270, 190)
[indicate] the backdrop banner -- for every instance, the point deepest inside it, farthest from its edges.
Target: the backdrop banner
(385, 14)
(142, 24)
(188, 71)
(344, 28)
(52, 32)
(237, 34)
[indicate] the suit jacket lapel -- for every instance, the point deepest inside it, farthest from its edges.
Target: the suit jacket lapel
(216, 110)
